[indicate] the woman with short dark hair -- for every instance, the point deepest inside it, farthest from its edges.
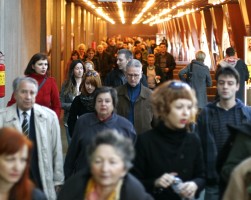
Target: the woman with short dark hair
(89, 124)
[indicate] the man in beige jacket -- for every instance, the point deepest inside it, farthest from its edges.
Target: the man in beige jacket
(41, 126)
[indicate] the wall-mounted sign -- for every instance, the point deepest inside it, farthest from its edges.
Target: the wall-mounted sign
(114, 1)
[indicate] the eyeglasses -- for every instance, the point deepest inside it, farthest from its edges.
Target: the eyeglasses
(133, 75)
(178, 85)
(91, 73)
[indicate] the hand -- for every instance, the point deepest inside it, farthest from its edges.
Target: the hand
(165, 180)
(58, 188)
(157, 77)
(188, 189)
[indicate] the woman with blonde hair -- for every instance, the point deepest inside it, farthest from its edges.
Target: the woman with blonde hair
(169, 157)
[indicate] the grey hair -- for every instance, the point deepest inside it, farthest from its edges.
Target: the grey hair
(17, 81)
(134, 63)
(122, 145)
(128, 53)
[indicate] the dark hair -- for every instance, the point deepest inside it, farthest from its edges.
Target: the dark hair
(228, 71)
(136, 42)
(90, 49)
(36, 57)
(230, 51)
(163, 43)
(13, 141)
(110, 90)
(122, 145)
(128, 53)
(73, 53)
(70, 83)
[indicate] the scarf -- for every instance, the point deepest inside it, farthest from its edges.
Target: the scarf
(92, 194)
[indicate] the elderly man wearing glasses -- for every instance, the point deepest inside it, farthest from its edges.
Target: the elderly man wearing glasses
(134, 98)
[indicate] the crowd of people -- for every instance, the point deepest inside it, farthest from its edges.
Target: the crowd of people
(133, 131)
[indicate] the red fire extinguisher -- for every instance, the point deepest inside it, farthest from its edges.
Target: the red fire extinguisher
(2, 76)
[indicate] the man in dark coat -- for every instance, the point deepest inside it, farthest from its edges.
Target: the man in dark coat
(165, 61)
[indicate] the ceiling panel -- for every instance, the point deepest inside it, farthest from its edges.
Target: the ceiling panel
(131, 10)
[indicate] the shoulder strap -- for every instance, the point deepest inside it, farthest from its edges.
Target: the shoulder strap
(191, 67)
(43, 82)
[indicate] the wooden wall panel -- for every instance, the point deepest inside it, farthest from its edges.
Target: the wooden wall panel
(238, 28)
(208, 27)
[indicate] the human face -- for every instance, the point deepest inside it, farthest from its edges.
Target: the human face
(41, 67)
(81, 51)
(88, 66)
(25, 95)
(150, 61)
(74, 57)
(89, 87)
(179, 115)
(122, 61)
(227, 87)
(138, 56)
(91, 54)
(78, 70)
(107, 167)
(162, 49)
(134, 75)
(104, 105)
(12, 166)
(100, 49)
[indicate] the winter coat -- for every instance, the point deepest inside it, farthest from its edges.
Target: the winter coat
(240, 150)
(86, 128)
(143, 114)
(162, 150)
(239, 186)
(201, 79)
(170, 64)
(207, 136)
(75, 187)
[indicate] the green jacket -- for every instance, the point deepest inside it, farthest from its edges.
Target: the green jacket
(240, 150)
(143, 114)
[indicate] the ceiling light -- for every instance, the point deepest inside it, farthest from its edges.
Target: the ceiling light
(148, 5)
(121, 12)
(99, 11)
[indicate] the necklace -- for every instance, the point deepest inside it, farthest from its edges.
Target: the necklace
(150, 67)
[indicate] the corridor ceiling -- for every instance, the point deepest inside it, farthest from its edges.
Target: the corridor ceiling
(132, 9)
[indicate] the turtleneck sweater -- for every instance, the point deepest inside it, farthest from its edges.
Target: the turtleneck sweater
(163, 150)
(47, 96)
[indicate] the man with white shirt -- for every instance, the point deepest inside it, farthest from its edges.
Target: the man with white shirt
(41, 126)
